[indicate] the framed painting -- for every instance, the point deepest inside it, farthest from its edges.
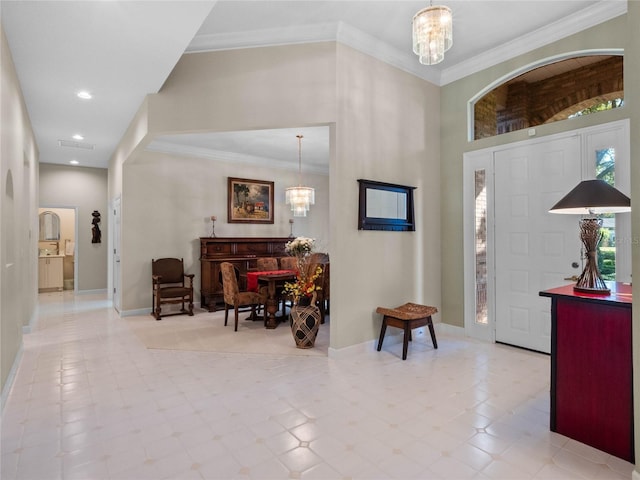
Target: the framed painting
(250, 201)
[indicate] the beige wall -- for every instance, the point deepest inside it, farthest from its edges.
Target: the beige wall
(86, 190)
(611, 34)
(169, 202)
(383, 127)
(18, 217)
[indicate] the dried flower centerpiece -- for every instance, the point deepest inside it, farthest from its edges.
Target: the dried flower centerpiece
(305, 284)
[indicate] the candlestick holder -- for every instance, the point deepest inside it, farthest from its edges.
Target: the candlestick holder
(213, 226)
(291, 225)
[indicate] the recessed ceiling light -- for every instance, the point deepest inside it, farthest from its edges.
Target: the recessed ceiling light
(77, 136)
(74, 162)
(84, 95)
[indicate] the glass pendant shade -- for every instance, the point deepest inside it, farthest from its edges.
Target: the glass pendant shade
(300, 198)
(432, 34)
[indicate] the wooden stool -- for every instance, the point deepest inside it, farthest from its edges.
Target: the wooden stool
(407, 317)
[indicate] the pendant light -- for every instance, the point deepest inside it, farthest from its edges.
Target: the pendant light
(432, 33)
(300, 198)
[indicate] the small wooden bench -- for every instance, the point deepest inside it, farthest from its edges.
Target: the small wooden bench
(407, 317)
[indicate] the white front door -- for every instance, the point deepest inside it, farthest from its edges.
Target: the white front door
(535, 250)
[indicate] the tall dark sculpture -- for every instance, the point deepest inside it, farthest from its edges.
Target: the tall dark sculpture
(95, 230)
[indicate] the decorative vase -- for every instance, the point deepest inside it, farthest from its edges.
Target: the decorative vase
(305, 320)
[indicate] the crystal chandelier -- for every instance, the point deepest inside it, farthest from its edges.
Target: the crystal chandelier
(432, 33)
(300, 198)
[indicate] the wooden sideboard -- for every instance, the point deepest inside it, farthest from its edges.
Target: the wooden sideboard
(591, 368)
(242, 252)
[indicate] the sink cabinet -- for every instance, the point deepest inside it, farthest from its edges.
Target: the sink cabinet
(50, 273)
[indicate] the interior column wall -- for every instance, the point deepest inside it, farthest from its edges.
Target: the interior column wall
(386, 131)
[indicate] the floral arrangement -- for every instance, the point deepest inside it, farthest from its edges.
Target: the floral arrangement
(300, 247)
(305, 284)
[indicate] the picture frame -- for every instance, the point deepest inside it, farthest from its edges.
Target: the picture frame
(250, 201)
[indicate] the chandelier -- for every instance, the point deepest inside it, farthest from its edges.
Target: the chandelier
(432, 33)
(300, 198)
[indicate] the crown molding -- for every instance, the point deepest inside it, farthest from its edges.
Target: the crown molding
(171, 148)
(322, 32)
(374, 47)
(358, 40)
(268, 37)
(587, 18)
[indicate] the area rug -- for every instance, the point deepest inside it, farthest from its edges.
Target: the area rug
(205, 332)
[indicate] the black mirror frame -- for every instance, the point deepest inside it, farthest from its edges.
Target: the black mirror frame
(388, 224)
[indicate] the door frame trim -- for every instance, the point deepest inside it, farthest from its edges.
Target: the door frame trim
(484, 159)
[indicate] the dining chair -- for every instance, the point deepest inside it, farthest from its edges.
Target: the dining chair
(266, 264)
(288, 263)
(233, 297)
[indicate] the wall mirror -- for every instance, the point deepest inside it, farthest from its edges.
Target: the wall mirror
(385, 206)
(49, 226)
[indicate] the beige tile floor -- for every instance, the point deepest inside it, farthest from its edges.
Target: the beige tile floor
(89, 401)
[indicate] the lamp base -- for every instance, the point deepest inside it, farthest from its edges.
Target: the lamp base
(593, 291)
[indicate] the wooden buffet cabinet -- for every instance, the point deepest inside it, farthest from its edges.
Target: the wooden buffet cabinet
(591, 368)
(242, 252)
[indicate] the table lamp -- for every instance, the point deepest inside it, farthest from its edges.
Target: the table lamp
(592, 197)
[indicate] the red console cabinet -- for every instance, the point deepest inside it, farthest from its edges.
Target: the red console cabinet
(591, 368)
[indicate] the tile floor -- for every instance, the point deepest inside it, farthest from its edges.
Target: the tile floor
(90, 402)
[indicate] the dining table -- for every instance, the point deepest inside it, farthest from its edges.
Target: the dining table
(273, 279)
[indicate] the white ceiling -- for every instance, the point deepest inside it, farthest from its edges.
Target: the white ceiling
(124, 50)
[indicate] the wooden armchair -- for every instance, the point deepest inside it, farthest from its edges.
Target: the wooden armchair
(171, 285)
(233, 297)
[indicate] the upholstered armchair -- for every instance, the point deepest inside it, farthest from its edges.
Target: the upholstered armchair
(171, 286)
(233, 297)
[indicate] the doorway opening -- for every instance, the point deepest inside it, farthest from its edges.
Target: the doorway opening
(57, 251)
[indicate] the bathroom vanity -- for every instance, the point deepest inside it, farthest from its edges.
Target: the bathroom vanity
(50, 273)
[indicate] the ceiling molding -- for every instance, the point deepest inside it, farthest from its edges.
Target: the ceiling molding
(268, 37)
(358, 40)
(374, 47)
(324, 32)
(171, 148)
(587, 18)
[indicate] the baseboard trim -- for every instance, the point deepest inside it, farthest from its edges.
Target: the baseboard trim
(93, 292)
(451, 330)
(11, 377)
(33, 321)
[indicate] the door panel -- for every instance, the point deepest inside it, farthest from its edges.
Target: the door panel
(535, 250)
